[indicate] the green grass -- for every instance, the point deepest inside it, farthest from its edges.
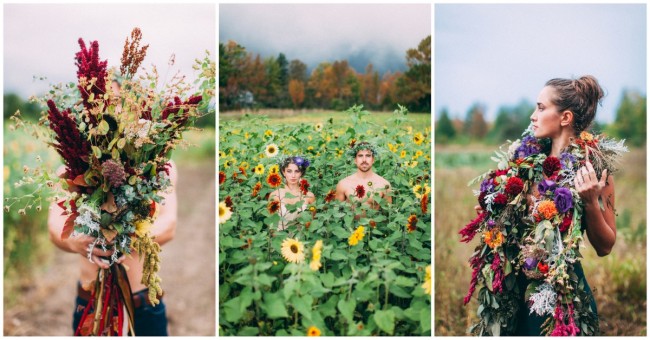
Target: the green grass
(619, 280)
(420, 121)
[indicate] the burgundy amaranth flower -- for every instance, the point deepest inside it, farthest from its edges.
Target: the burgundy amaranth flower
(175, 107)
(73, 147)
(497, 282)
(114, 173)
(475, 263)
(89, 67)
(471, 228)
(360, 191)
(563, 328)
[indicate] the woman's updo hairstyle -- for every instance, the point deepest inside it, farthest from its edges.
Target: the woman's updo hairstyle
(301, 162)
(580, 96)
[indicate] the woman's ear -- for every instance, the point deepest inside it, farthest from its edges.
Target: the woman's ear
(566, 118)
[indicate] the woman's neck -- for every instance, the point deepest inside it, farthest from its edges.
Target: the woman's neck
(294, 187)
(560, 142)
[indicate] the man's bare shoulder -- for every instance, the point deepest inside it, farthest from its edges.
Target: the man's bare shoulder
(382, 182)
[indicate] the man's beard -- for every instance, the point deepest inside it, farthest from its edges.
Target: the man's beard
(362, 170)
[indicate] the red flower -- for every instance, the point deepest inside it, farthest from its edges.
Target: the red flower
(411, 223)
(89, 67)
(304, 186)
(551, 165)
(256, 189)
(424, 203)
(360, 191)
(566, 222)
(228, 201)
(501, 172)
(500, 200)
(222, 177)
(307, 225)
(470, 230)
(71, 145)
(373, 224)
(273, 207)
(514, 186)
(242, 171)
(330, 196)
(542, 267)
(274, 180)
(481, 200)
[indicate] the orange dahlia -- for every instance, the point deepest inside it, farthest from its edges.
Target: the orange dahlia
(547, 209)
(274, 180)
(493, 238)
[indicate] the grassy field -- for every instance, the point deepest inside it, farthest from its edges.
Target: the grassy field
(420, 121)
(619, 280)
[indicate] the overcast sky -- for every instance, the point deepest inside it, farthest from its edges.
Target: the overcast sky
(41, 39)
(500, 54)
(360, 33)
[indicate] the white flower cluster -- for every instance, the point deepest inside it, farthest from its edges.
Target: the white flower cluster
(139, 132)
(544, 300)
(88, 217)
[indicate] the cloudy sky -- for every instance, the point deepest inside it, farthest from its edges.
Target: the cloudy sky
(377, 33)
(500, 54)
(47, 49)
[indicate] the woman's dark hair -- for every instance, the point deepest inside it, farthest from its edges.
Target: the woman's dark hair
(580, 96)
(301, 162)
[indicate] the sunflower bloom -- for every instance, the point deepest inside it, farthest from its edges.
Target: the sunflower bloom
(313, 331)
(315, 255)
(222, 177)
(273, 207)
(259, 169)
(271, 150)
(356, 236)
(256, 189)
(268, 133)
(293, 250)
(274, 180)
(421, 190)
(411, 223)
(224, 212)
(274, 169)
(493, 238)
(547, 209)
(418, 138)
(318, 127)
(427, 280)
(402, 154)
(330, 196)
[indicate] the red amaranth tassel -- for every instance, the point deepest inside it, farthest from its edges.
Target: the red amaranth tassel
(471, 228)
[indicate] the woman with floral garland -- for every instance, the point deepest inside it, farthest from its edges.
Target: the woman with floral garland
(294, 197)
(550, 188)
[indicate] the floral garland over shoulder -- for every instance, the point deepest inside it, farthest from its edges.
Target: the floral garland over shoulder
(536, 233)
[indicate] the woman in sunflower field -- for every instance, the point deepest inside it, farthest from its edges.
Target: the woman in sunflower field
(554, 185)
(294, 197)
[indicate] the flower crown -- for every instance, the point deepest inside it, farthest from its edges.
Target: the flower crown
(301, 161)
(356, 147)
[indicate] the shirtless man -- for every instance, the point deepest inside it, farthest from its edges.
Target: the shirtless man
(364, 156)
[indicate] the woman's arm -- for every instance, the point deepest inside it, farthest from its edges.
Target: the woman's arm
(601, 224)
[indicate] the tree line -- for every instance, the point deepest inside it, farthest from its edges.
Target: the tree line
(629, 124)
(250, 81)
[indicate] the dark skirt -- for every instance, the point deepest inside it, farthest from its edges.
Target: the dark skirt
(531, 324)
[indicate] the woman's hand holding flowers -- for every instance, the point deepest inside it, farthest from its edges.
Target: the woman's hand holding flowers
(587, 184)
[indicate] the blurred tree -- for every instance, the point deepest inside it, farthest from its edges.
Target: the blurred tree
(388, 90)
(370, 87)
(475, 125)
(296, 92)
(283, 77)
(272, 95)
(414, 88)
(511, 121)
(630, 122)
(445, 131)
(232, 62)
(298, 70)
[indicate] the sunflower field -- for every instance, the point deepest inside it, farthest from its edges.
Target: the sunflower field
(329, 274)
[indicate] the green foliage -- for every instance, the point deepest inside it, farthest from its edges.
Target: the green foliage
(28, 110)
(371, 288)
(510, 122)
(475, 126)
(445, 130)
(630, 119)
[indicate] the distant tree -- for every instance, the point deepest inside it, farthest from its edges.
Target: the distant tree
(296, 92)
(13, 102)
(370, 87)
(283, 77)
(274, 87)
(232, 63)
(444, 128)
(630, 122)
(511, 121)
(475, 125)
(298, 70)
(414, 88)
(388, 90)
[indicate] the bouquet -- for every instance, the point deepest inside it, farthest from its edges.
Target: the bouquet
(535, 233)
(115, 134)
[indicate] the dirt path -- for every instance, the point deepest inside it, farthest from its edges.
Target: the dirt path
(188, 271)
